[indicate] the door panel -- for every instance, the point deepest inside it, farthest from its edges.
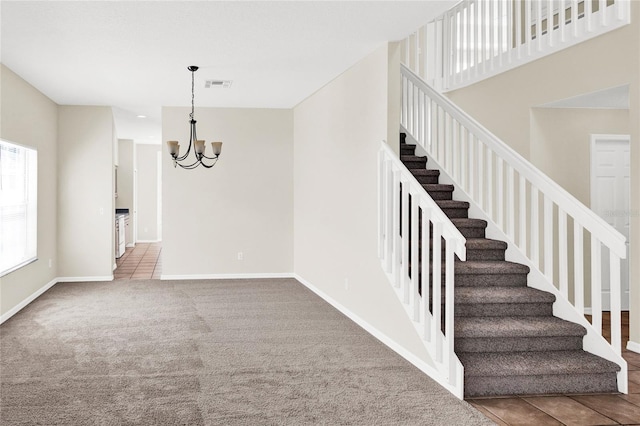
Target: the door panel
(610, 185)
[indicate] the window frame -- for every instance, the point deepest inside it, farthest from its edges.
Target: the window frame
(28, 202)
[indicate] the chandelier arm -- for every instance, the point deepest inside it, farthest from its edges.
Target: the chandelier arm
(192, 137)
(210, 165)
(190, 166)
(210, 158)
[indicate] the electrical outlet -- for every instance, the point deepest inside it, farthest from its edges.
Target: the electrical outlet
(240, 256)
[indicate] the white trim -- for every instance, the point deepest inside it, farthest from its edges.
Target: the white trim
(83, 279)
(28, 300)
(147, 241)
(228, 276)
(115, 265)
(633, 346)
(382, 337)
(131, 245)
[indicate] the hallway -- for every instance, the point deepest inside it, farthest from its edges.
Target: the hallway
(141, 262)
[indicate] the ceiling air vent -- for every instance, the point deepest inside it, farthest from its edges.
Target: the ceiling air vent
(217, 83)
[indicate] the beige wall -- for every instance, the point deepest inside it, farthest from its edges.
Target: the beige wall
(147, 192)
(503, 104)
(337, 134)
(30, 118)
(85, 192)
(561, 143)
(394, 96)
(243, 204)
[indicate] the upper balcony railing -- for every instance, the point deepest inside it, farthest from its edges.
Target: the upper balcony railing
(478, 39)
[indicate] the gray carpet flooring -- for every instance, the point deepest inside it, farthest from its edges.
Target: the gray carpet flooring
(225, 352)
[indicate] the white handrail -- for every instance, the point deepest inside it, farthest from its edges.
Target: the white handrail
(408, 217)
(589, 220)
(477, 39)
(484, 169)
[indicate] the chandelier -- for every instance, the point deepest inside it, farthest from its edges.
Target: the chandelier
(198, 145)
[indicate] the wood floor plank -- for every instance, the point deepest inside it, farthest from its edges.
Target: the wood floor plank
(569, 411)
(517, 412)
(612, 406)
(633, 398)
(632, 358)
(488, 414)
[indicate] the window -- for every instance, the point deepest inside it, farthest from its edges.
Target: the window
(18, 206)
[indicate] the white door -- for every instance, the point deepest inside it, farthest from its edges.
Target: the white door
(610, 181)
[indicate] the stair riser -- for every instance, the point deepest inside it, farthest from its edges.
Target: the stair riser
(498, 280)
(476, 254)
(427, 179)
(503, 309)
(517, 344)
(456, 213)
(415, 164)
(441, 195)
(472, 232)
(536, 385)
(485, 254)
(408, 150)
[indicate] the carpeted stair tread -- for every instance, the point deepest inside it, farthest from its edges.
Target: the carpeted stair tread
(412, 158)
(478, 267)
(543, 363)
(495, 295)
(485, 244)
(437, 187)
(452, 204)
(425, 172)
(515, 327)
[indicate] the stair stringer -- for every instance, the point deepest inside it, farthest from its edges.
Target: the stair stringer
(593, 342)
(440, 372)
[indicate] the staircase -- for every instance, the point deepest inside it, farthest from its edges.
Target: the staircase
(506, 336)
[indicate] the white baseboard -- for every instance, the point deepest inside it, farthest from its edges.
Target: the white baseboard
(147, 241)
(114, 266)
(633, 346)
(227, 276)
(28, 300)
(82, 279)
(131, 245)
(382, 337)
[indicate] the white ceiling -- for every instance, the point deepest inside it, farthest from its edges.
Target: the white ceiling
(133, 55)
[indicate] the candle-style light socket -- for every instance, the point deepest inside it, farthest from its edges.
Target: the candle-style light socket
(174, 148)
(199, 147)
(217, 148)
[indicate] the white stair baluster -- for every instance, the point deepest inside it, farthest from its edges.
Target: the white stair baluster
(563, 253)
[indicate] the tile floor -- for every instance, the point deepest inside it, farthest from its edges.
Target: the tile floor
(145, 262)
(142, 262)
(572, 409)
